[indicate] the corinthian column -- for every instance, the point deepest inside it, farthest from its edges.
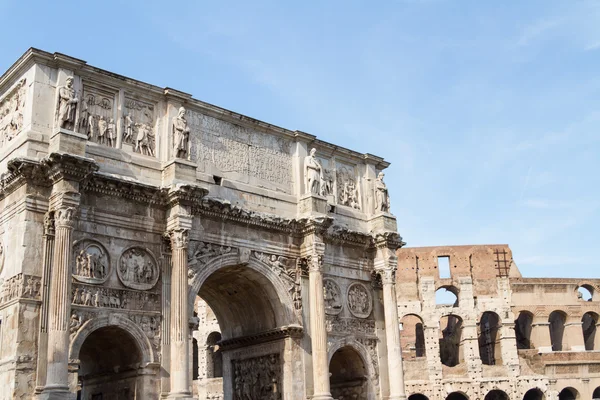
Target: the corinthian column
(48, 254)
(392, 333)
(180, 364)
(318, 332)
(57, 374)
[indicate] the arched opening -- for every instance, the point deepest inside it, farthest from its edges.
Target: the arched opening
(585, 293)
(245, 300)
(451, 353)
(214, 357)
(489, 339)
(457, 396)
(596, 393)
(195, 360)
(418, 396)
(557, 321)
(523, 330)
(412, 337)
(348, 375)
(446, 296)
(109, 362)
(496, 395)
(588, 326)
(568, 393)
(534, 394)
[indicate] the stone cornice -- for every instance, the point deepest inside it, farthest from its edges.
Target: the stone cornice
(122, 188)
(21, 171)
(69, 167)
(295, 331)
(388, 239)
(342, 235)
(190, 195)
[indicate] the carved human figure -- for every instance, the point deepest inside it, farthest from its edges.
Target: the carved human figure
(128, 128)
(66, 105)
(102, 128)
(111, 133)
(313, 173)
(83, 117)
(92, 131)
(75, 323)
(181, 134)
(382, 198)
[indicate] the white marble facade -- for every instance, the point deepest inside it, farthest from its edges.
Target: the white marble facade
(122, 203)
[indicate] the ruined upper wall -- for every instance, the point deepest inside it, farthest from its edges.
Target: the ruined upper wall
(481, 263)
(129, 128)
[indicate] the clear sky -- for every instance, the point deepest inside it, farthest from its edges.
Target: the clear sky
(488, 110)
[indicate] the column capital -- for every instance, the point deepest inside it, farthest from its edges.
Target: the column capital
(49, 223)
(315, 263)
(64, 217)
(62, 166)
(179, 238)
(388, 275)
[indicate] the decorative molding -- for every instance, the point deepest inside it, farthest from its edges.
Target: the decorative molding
(360, 300)
(295, 331)
(124, 299)
(343, 326)
(20, 286)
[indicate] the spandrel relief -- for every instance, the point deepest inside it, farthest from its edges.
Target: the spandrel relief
(238, 151)
(360, 302)
(257, 378)
(11, 112)
(97, 116)
(90, 262)
(139, 126)
(138, 269)
(332, 296)
(347, 186)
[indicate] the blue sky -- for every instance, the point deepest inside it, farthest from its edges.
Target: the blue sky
(488, 111)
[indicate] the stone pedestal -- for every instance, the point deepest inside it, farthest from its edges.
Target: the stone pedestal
(57, 374)
(311, 204)
(383, 222)
(318, 332)
(178, 170)
(573, 336)
(66, 141)
(180, 358)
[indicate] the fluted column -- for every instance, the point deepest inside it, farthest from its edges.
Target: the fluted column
(166, 312)
(392, 333)
(48, 253)
(180, 364)
(57, 374)
(318, 331)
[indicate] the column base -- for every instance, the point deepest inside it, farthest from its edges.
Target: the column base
(322, 397)
(180, 396)
(56, 395)
(401, 397)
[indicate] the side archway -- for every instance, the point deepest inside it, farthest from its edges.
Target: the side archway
(534, 394)
(350, 371)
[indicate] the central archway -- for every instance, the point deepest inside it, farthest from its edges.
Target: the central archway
(348, 375)
(256, 320)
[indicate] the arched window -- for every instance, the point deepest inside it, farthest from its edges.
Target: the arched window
(412, 337)
(585, 293)
(450, 340)
(446, 296)
(523, 330)
(557, 321)
(456, 396)
(418, 396)
(596, 394)
(568, 393)
(489, 339)
(214, 357)
(588, 326)
(496, 395)
(534, 394)
(195, 364)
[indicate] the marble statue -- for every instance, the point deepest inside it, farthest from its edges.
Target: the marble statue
(181, 134)
(313, 173)
(382, 197)
(66, 105)
(128, 128)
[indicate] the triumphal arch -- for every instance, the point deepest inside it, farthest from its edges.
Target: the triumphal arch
(122, 202)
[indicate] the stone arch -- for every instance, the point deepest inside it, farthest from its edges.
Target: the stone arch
(534, 394)
(450, 340)
(523, 328)
(596, 393)
(557, 320)
(447, 295)
(276, 290)
(489, 338)
(496, 394)
(88, 327)
(589, 321)
(418, 396)
(412, 336)
(458, 395)
(364, 355)
(569, 393)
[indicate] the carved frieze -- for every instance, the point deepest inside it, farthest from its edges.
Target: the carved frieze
(97, 115)
(90, 262)
(347, 186)
(98, 297)
(240, 151)
(360, 302)
(20, 286)
(11, 112)
(371, 345)
(257, 378)
(333, 297)
(338, 325)
(150, 325)
(139, 125)
(138, 268)
(203, 252)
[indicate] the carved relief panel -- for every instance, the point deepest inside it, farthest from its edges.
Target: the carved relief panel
(360, 302)
(333, 297)
(90, 262)
(20, 286)
(257, 378)
(139, 122)
(97, 115)
(11, 112)
(138, 268)
(347, 186)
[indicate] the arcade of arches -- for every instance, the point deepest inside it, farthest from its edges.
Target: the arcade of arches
(156, 246)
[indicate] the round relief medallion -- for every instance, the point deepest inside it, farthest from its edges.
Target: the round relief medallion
(90, 262)
(333, 297)
(138, 268)
(360, 302)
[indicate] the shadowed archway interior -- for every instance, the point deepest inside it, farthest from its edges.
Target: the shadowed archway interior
(348, 375)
